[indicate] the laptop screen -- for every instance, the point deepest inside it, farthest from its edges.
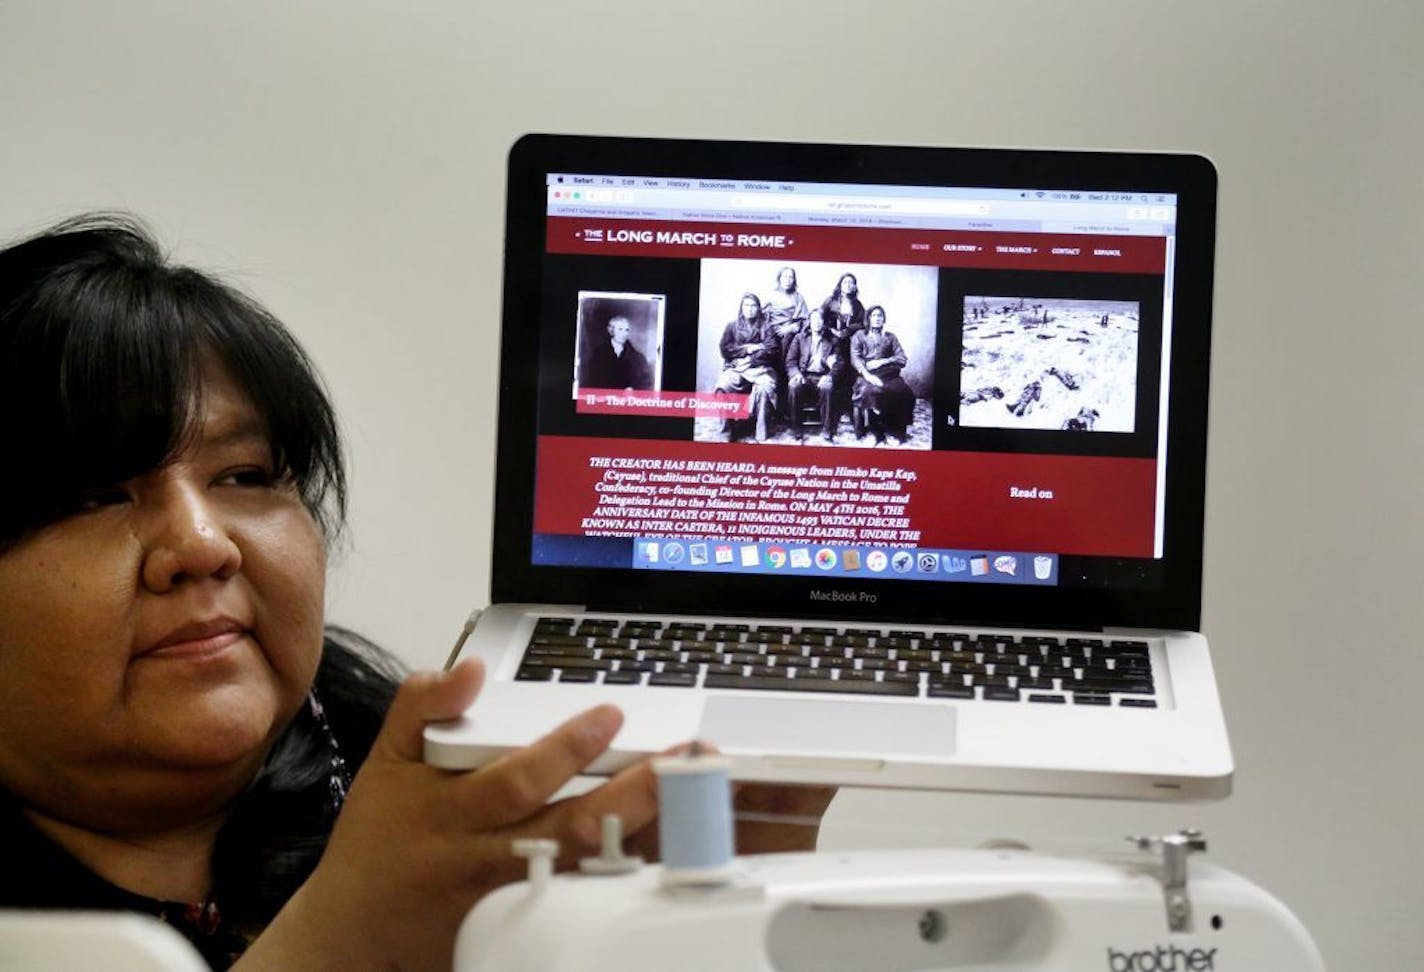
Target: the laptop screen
(849, 383)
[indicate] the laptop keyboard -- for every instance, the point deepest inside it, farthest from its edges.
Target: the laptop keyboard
(847, 660)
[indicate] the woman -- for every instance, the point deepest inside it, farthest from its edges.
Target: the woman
(843, 311)
(179, 735)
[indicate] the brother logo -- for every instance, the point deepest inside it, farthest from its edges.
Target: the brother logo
(859, 597)
(1163, 959)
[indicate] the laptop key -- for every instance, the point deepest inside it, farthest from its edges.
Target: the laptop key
(1139, 703)
(1109, 685)
(1089, 698)
(949, 690)
(675, 679)
(533, 673)
(622, 677)
(578, 675)
(558, 651)
(1057, 699)
(573, 661)
(558, 639)
(850, 686)
(1001, 694)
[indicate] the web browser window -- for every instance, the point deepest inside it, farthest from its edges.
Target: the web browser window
(955, 384)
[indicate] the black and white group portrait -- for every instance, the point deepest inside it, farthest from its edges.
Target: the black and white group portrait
(826, 353)
(1049, 363)
(620, 339)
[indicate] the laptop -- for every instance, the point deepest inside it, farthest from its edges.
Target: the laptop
(870, 465)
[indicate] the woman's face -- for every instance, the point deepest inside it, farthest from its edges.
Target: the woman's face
(847, 285)
(787, 280)
(751, 308)
(165, 633)
(877, 318)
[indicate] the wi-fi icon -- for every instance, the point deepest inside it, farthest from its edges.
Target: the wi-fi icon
(1040, 194)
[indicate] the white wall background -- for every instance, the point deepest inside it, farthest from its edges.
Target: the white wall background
(344, 160)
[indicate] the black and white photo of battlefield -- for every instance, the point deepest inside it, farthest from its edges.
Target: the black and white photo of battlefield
(1048, 363)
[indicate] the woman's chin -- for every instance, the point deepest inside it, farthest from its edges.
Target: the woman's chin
(228, 725)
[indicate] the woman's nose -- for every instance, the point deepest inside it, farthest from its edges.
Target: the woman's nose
(188, 540)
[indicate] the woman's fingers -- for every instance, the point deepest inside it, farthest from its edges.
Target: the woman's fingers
(631, 796)
(774, 817)
(519, 784)
(427, 697)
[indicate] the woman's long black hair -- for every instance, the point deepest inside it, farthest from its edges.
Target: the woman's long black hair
(102, 344)
(102, 347)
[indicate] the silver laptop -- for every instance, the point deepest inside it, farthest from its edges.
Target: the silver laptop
(870, 465)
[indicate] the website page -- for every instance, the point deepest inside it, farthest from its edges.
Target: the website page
(959, 386)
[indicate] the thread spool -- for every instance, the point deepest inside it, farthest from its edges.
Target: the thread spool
(695, 818)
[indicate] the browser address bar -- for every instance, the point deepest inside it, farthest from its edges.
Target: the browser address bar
(863, 204)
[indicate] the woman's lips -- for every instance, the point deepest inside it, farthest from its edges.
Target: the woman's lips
(197, 640)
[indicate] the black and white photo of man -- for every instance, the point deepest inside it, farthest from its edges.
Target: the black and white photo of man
(616, 363)
(620, 336)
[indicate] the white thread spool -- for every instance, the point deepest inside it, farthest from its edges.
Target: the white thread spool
(695, 818)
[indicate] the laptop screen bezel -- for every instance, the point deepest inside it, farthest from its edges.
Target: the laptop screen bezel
(1176, 605)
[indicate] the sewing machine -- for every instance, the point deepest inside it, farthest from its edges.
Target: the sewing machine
(1000, 909)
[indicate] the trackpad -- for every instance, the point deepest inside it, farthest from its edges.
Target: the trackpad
(831, 726)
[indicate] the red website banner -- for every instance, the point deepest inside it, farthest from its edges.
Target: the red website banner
(913, 247)
(1092, 506)
(631, 401)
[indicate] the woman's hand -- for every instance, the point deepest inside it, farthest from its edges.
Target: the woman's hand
(415, 847)
(772, 817)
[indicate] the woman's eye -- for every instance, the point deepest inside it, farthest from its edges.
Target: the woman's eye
(249, 476)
